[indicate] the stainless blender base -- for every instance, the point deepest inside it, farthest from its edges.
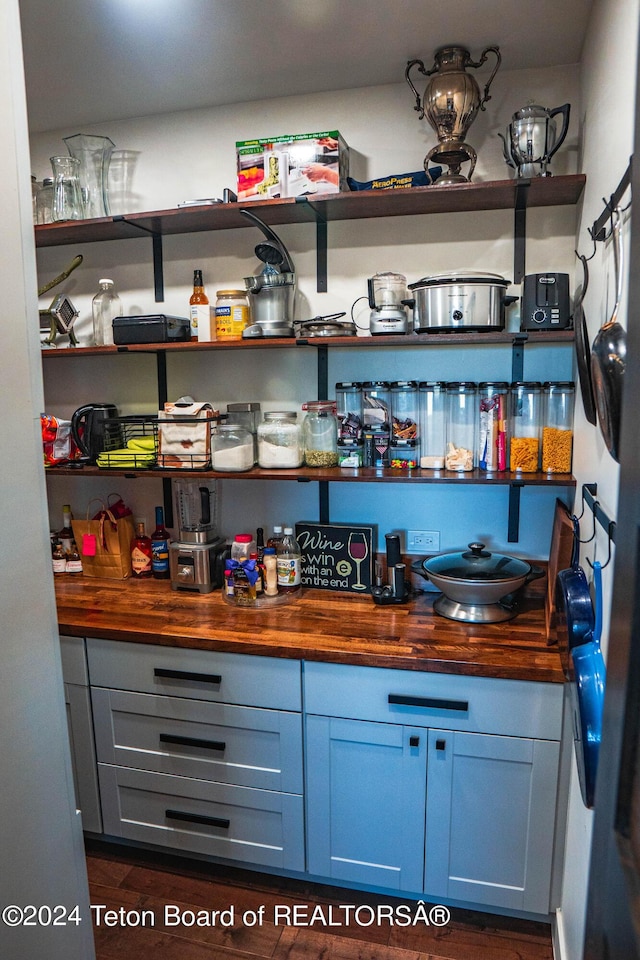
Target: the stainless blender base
(473, 612)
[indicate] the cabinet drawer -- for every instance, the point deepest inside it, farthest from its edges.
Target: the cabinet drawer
(195, 738)
(487, 705)
(235, 823)
(200, 674)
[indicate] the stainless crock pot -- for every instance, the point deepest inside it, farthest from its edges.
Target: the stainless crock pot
(477, 585)
(459, 300)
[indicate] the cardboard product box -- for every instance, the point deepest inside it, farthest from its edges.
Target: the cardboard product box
(292, 166)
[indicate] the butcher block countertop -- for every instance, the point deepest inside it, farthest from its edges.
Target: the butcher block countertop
(316, 625)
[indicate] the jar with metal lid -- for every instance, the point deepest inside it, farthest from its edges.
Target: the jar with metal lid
(231, 448)
(232, 314)
(280, 440)
(557, 432)
(431, 417)
(461, 401)
(376, 403)
(349, 410)
(525, 426)
(492, 425)
(320, 433)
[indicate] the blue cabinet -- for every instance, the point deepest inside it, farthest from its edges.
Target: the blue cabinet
(365, 810)
(490, 819)
(442, 807)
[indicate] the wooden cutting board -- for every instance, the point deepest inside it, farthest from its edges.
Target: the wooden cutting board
(559, 559)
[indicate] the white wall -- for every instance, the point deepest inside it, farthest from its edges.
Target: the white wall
(192, 154)
(41, 833)
(608, 76)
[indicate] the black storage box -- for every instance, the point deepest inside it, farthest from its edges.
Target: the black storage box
(154, 328)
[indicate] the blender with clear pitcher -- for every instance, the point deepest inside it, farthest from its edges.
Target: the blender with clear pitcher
(196, 558)
(387, 293)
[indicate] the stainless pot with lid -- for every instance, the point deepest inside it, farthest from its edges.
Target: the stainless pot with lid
(459, 300)
(477, 586)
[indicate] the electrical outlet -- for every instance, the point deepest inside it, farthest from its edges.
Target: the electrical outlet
(423, 541)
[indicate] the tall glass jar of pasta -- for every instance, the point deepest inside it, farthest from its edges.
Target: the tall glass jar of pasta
(526, 426)
(557, 432)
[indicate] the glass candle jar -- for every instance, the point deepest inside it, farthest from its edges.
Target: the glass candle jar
(557, 432)
(280, 440)
(320, 433)
(232, 448)
(461, 400)
(492, 425)
(526, 426)
(431, 407)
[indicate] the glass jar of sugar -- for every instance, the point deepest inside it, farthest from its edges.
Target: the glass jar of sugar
(280, 440)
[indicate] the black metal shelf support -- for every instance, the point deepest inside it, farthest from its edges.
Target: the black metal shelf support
(158, 266)
(321, 244)
(599, 229)
(520, 230)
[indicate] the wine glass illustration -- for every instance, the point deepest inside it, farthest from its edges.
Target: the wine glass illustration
(357, 549)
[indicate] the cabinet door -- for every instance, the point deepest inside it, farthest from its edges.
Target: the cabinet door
(490, 819)
(83, 755)
(365, 802)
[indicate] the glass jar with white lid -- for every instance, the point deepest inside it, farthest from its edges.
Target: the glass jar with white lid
(280, 440)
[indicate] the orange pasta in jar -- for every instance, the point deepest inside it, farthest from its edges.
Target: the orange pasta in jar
(524, 454)
(557, 447)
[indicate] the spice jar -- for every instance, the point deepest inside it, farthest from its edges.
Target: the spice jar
(232, 448)
(461, 399)
(526, 425)
(492, 425)
(557, 432)
(280, 440)
(320, 433)
(431, 417)
(232, 314)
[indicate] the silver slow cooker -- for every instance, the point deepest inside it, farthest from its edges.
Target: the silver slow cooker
(459, 300)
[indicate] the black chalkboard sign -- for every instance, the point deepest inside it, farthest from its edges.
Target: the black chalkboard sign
(336, 556)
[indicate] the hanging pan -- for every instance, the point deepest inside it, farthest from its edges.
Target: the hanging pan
(574, 598)
(608, 358)
(583, 351)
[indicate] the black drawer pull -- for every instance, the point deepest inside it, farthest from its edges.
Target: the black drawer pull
(192, 741)
(197, 818)
(414, 741)
(433, 703)
(187, 675)
(441, 744)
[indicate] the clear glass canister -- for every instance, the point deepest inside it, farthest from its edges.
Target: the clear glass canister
(44, 202)
(431, 416)
(376, 404)
(557, 432)
(320, 433)
(526, 426)
(349, 410)
(232, 314)
(461, 405)
(492, 425)
(248, 415)
(280, 440)
(232, 448)
(67, 194)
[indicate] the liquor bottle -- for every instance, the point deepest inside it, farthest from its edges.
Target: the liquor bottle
(65, 536)
(260, 543)
(141, 553)
(74, 560)
(198, 304)
(289, 563)
(58, 557)
(160, 548)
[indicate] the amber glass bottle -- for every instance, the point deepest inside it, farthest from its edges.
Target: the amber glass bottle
(198, 303)
(141, 553)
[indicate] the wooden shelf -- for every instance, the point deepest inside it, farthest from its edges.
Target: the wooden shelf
(358, 205)
(490, 338)
(336, 475)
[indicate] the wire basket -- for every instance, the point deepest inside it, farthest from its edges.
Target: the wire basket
(131, 443)
(184, 443)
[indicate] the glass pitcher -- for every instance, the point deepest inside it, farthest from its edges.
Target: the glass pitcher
(94, 155)
(67, 198)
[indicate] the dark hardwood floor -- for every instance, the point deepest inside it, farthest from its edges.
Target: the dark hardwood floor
(163, 911)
